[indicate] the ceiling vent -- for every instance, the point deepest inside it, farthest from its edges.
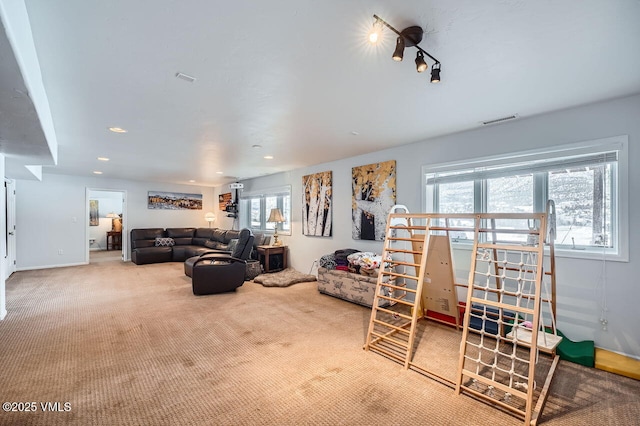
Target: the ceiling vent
(499, 120)
(185, 77)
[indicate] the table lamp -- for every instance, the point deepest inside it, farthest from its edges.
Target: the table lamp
(114, 226)
(276, 217)
(210, 218)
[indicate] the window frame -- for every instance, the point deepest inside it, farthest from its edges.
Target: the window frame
(620, 183)
(283, 195)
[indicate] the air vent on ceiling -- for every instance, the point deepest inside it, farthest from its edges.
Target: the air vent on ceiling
(185, 77)
(499, 120)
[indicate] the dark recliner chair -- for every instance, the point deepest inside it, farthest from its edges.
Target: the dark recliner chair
(217, 273)
(241, 251)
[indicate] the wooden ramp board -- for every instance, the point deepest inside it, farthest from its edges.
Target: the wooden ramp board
(439, 295)
(617, 364)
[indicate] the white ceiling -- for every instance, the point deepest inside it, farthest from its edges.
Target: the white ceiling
(298, 77)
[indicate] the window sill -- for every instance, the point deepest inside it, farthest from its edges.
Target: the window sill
(591, 254)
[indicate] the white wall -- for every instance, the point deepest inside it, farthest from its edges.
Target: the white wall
(578, 302)
(51, 216)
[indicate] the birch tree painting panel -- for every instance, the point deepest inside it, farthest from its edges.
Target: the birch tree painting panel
(374, 193)
(316, 204)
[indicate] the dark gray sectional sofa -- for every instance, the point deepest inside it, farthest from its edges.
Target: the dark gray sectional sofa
(155, 245)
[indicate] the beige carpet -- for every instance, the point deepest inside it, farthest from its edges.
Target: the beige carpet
(131, 345)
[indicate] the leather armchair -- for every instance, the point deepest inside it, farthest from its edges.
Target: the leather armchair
(217, 273)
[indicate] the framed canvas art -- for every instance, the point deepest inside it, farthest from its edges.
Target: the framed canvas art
(374, 193)
(174, 201)
(316, 204)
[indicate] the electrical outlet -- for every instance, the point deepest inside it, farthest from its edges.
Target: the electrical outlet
(60, 252)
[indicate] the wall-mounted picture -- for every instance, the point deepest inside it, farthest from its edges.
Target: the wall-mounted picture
(316, 204)
(174, 201)
(374, 193)
(224, 199)
(93, 213)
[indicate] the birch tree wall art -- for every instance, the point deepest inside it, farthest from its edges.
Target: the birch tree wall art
(374, 193)
(316, 204)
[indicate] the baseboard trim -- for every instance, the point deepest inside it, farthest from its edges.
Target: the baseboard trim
(65, 265)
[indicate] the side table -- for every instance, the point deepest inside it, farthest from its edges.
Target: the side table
(114, 240)
(272, 258)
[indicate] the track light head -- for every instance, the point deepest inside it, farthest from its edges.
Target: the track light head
(376, 32)
(399, 52)
(421, 65)
(435, 73)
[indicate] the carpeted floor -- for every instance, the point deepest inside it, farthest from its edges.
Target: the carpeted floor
(130, 345)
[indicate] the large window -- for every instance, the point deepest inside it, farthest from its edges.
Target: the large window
(255, 208)
(584, 180)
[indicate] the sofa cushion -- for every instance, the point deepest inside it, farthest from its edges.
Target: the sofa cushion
(180, 232)
(231, 234)
(183, 241)
(164, 242)
(210, 244)
(145, 237)
(205, 233)
(218, 235)
(144, 255)
(182, 253)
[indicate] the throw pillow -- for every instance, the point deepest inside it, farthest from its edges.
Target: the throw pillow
(232, 245)
(164, 242)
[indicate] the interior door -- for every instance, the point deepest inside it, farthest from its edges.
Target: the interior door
(10, 214)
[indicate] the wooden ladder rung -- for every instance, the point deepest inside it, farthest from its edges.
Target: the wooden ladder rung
(417, 240)
(395, 274)
(390, 340)
(393, 299)
(378, 308)
(391, 250)
(397, 287)
(398, 262)
(395, 327)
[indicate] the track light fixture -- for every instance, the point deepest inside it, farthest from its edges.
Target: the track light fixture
(409, 37)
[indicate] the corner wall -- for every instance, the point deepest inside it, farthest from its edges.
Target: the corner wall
(51, 216)
(578, 280)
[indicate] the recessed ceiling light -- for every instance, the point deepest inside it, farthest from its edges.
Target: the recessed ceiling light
(118, 130)
(103, 159)
(354, 133)
(97, 172)
(220, 173)
(256, 146)
(191, 180)
(268, 157)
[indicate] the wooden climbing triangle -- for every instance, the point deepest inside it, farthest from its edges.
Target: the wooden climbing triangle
(509, 311)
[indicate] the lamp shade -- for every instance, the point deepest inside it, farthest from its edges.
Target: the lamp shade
(210, 217)
(276, 216)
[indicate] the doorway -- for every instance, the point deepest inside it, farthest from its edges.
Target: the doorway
(106, 225)
(10, 238)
